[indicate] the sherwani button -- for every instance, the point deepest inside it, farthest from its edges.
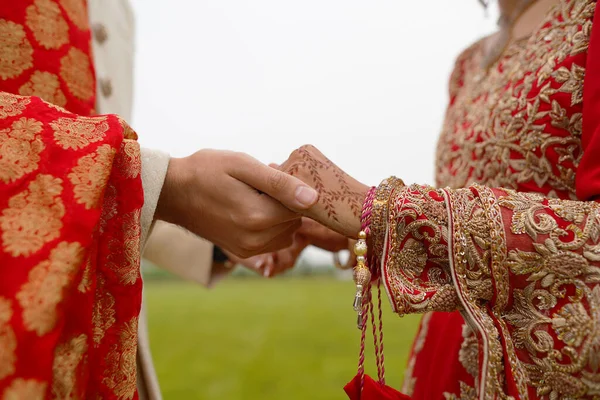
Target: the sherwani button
(100, 33)
(106, 87)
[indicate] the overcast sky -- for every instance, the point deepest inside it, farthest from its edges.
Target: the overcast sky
(364, 81)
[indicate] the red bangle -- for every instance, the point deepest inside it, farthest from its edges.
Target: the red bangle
(367, 209)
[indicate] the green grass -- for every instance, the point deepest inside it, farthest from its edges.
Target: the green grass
(264, 339)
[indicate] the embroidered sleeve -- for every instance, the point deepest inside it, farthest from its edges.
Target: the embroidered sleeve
(523, 269)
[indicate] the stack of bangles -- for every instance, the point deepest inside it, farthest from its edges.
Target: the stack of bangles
(381, 196)
(373, 224)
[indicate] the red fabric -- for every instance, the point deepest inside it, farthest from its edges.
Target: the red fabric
(588, 175)
(437, 368)
(70, 202)
(48, 53)
(372, 390)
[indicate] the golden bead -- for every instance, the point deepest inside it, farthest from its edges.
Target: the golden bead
(360, 248)
(362, 235)
(362, 276)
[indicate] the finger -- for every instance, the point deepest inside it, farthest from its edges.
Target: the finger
(287, 258)
(267, 213)
(276, 166)
(288, 190)
(283, 239)
(322, 237)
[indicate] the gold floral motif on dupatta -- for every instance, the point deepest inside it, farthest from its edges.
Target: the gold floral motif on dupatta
(103, 316)
(121, 362)
(29, 389)
(76, 11)
(126, 265)
(11, 105)
(67, 358)
(128, 132)
(90, 175)
(33, 217)
(76, 72)
(41, 294)
(45, 20)
(86, 279)
(45, 86)
(20, 148)
(16, 52)
(130, 162)
(79, 132)
(8, 340)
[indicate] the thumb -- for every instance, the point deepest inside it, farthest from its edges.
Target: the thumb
(288, 190)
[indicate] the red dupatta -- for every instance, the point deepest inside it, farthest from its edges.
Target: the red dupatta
(70, 202)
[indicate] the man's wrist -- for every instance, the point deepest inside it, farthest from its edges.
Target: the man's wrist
(173, 195)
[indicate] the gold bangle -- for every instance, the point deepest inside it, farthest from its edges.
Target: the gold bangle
(381, 211)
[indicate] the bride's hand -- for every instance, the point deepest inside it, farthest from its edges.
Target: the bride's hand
(340, 196)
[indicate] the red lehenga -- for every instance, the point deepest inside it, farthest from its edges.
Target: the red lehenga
(70, 201)
(505, 260)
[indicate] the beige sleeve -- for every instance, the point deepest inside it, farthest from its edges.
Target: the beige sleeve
(154, 170)
(168, 246)
(184, 254)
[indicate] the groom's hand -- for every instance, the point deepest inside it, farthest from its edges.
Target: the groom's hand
(233, 200)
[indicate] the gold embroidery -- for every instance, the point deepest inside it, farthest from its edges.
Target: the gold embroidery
(76, 72)
(495, 128)
(77, 12)
(11, 105)
(466, 393)
(465, 265)
(45, 20)
(121, 362)
(45, 86)
(468, 354)
(128, 132)
(415, 289)
(79, 132)
(126, 265)
(29, 389)
(20, 148)
(42, 293)
(130, 160)
(67, 358)
(104, 311)
(33, 217)
(16, 53)
(109, 207)
(86, 279)
(559, 264)
(90, 175)
(8, 340)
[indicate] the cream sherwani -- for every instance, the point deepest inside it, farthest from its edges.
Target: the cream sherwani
(165, 245)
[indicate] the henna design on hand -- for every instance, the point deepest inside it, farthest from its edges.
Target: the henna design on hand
(328, 196)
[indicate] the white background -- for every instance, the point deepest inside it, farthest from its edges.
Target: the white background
(364, 81)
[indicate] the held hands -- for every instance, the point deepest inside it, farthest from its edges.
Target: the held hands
(233, 200)
(337, 211)
(340, 196)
